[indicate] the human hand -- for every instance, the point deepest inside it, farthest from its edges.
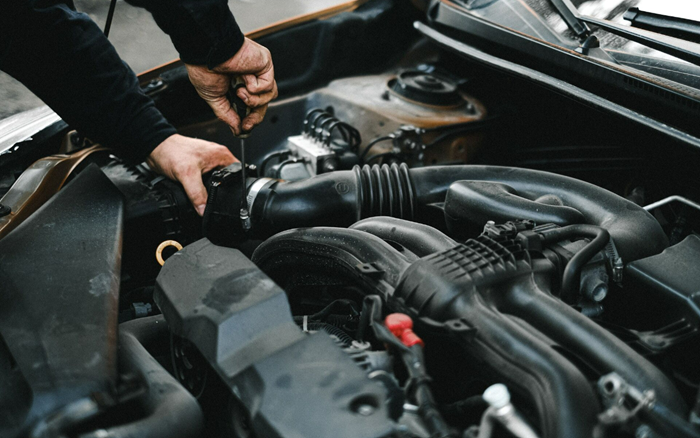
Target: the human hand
(185, 159)
(253, 64)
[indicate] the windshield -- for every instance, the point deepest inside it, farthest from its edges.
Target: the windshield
(542, 20)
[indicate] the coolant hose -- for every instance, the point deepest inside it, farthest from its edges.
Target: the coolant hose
(572, 273)
(170, 410)
(342, 198)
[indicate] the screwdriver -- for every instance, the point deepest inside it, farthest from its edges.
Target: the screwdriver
(242, 110)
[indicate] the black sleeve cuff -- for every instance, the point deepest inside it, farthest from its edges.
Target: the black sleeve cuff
(220, 46)
(204, 32)
(225, 49)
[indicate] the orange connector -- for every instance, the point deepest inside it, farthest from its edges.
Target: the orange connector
(401, 325)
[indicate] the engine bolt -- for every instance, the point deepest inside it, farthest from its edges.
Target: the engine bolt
(497, 396)
(365, 410)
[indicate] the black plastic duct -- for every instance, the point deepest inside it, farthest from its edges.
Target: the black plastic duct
(493, 295)
(344, 197)
(59, 291)
(169, 409)
(420, 239)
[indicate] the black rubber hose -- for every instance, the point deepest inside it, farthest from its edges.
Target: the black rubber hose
(582, 337)
(271, 156)
(418, 238)
(470, 204)
(666, 423)
(427, 408)
(342, 198)
(170, 410)
(338, 198)
(571, 281)
(635, 232)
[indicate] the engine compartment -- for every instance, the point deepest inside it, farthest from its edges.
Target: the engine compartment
(433, 249)
(509, 275)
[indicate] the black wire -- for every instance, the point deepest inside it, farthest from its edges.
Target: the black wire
(284, 163)
(307, 117)
(269, 157)
(372, 143)
(355, 135)
(319, 124)
(382, 155)
(321, 129)
(110, 16)
(350, 135)
(316, 120)
(459, 128)
(327, 139)
(371, 319)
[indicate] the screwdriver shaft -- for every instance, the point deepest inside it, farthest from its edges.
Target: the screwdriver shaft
(244, 204)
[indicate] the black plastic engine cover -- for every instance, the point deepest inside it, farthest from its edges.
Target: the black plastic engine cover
(292, 384)
(59, 281)
(668, 280)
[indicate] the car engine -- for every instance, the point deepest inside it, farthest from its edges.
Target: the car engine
(431, 249)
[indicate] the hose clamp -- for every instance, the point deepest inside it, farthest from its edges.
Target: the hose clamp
(255, 188)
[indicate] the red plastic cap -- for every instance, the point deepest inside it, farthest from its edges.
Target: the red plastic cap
(401, 325)
(398, 322)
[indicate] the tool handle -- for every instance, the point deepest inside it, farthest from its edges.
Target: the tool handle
(237, 103)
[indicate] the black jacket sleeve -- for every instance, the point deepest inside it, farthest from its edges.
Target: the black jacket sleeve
(202, 31)
(65, 59)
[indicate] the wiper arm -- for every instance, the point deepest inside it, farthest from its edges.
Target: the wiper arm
(685, 50)
(569, 13)
(672, 26)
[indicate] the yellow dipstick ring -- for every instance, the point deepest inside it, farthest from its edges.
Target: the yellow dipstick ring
(162, 246)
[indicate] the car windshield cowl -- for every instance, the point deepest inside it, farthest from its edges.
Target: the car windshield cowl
(648, 37)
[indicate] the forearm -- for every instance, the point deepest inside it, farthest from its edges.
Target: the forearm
(204, 32)
(66, 60)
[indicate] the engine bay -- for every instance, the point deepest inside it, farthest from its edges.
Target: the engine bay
(431, 249)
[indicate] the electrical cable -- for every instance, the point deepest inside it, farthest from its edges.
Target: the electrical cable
(382, 155)
(284, 163)
(371, 144)
(271, 156)
(307, 118)
(110, 17)
(414, 362)
(320, 125)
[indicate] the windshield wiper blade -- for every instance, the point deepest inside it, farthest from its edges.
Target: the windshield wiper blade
(569, 14)
(688, 30)
(682, 49)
